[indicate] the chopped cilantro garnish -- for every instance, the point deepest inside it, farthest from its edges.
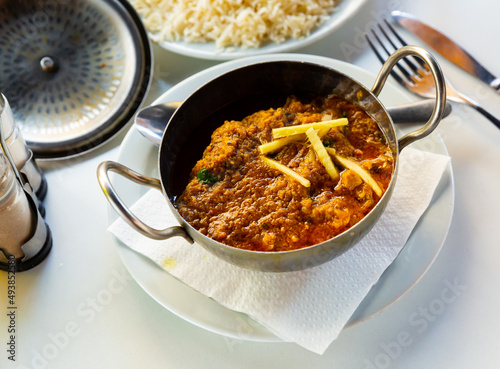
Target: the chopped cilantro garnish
(204, 176)
(327, 142)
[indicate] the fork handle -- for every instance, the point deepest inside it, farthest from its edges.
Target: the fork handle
(488, 115)
(459, 97)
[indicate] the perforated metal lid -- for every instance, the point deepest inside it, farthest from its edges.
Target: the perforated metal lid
(74, 71)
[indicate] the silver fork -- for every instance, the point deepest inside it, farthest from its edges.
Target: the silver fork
(411, 72)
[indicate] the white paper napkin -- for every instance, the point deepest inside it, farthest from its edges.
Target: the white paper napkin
(309, 307)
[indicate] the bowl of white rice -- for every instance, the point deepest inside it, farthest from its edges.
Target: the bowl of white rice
(230, 29)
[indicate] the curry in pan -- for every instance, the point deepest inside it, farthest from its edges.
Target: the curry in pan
(287, 178)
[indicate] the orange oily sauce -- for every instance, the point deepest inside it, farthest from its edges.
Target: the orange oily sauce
(246, 204)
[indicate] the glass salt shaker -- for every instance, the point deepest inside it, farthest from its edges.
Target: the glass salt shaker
(25, 238)
(16, 222)
(22, 156)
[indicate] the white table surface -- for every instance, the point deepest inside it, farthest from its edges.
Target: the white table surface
(62, 323)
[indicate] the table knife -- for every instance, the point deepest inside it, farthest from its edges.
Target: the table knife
(446, 47)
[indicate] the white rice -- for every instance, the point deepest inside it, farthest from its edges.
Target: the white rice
(229, 23)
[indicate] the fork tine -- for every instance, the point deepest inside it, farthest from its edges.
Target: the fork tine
(406, 60)
(420, 67)
(382, 60)
(384, 40)
(395, 33)
(404, 76)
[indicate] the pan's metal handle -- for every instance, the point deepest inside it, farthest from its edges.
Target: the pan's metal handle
(439, 83)
(121, 208)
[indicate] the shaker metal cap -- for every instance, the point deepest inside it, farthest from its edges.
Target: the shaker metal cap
(74, 71)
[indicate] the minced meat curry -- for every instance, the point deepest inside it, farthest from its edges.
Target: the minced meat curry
(242, 192)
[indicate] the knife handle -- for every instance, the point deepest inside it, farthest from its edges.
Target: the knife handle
(496, 84)
(417, 112)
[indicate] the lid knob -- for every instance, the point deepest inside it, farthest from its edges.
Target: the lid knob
(48, 64)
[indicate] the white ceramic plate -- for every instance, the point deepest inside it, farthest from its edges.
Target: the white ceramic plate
(416, 257)
(345, 10)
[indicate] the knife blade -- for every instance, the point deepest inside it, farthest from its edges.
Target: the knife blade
(446, 47)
